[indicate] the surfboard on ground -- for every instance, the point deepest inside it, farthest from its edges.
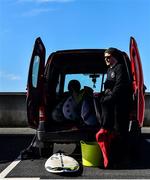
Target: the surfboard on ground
(61, 163)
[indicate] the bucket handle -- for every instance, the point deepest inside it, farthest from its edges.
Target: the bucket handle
(82, 142)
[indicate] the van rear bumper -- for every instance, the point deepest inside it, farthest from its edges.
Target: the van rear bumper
(67, 136)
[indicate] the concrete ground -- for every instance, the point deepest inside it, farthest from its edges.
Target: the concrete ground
(16, 139)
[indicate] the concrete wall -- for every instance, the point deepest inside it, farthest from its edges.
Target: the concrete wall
(13, 110)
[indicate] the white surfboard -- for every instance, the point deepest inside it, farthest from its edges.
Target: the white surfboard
(59, 163)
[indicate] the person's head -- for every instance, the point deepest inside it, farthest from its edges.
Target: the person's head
(74, 86)
(110, 56)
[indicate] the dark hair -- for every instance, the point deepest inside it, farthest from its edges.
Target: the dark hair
(115, 53)
(74, 85)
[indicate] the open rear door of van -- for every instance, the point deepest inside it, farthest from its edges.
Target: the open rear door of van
(138, 81)
(35, 82)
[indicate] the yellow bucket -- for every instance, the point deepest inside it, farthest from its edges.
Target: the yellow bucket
(91, 154)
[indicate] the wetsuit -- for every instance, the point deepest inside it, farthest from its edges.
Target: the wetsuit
(117, 99)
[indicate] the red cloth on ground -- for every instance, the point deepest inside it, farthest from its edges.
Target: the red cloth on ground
(104, 138)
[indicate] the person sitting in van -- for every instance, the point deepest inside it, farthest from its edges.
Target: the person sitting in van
(77, 107)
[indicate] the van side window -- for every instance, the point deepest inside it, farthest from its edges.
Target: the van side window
(35, 71)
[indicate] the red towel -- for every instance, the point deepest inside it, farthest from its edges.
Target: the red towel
(104, 138)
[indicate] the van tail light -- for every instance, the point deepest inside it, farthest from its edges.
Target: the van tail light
(41, 113)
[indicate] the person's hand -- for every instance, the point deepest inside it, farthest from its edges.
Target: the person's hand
(107, 91)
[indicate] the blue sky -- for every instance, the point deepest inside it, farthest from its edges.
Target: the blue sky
(68, 24)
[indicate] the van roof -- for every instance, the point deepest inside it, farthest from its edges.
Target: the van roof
(79, 60)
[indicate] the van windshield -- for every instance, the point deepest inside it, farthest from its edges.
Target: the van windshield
(94, 81)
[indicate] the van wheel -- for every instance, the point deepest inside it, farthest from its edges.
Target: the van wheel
(46, 149)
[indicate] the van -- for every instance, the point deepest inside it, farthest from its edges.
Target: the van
(47, 85)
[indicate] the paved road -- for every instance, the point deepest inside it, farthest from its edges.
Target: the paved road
(14, 140)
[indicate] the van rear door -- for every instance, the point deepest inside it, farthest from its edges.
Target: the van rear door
(138, 80)
(35, 82)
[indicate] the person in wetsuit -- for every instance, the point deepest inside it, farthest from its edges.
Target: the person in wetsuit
(115, 106)
(116, 101)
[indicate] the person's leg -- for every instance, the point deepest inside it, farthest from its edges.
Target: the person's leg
(107, 115)
(120, 145)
